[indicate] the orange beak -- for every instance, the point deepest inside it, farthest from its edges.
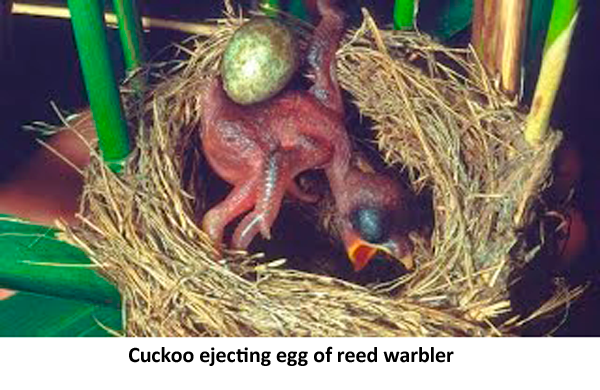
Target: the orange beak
(361, 252)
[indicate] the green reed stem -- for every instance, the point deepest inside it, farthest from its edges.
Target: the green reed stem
(556, 51)
(131, 32)
(404, 14)
(563, 13)
(87, 18)
(270, 7)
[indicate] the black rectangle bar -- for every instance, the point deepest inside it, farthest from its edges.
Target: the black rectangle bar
(283, 355)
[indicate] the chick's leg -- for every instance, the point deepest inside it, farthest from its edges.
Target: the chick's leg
(321, 55)
(307, 153)
(274, 181)
(241, 199)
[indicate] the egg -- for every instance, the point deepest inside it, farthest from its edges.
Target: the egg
(260, 59)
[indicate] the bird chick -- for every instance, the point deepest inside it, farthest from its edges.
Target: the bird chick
(261, 148)
(373, 217)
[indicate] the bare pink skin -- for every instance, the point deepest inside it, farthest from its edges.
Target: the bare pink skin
(45, 188)
(261, 148)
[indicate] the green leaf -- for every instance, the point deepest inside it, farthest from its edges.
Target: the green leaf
(444, 18)
(33, 259)
(29, 315)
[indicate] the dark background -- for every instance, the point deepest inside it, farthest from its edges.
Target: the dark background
(578, 114)
(45, 69)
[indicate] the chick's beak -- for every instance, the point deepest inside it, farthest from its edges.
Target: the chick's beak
(361, 253)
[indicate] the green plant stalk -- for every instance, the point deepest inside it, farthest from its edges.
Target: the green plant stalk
(449, 18)
(270, 7)
(298, 9)
(103, 93)
(556, 50)
(539, 19)
(563, 13)
(404, 14)
(131, 33)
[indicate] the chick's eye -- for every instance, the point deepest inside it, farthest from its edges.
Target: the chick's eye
(371, 224)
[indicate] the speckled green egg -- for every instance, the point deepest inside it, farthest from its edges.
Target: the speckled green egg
(259, 61)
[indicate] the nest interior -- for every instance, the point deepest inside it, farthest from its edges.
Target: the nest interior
(436, 117)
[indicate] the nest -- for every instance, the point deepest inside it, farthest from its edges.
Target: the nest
(436, 117)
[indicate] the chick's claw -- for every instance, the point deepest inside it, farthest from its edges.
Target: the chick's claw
(239, 201)
(251, 225)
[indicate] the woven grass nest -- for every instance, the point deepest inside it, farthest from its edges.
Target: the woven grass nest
(436, 117)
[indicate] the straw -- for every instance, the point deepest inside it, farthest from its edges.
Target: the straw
(111, 19)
